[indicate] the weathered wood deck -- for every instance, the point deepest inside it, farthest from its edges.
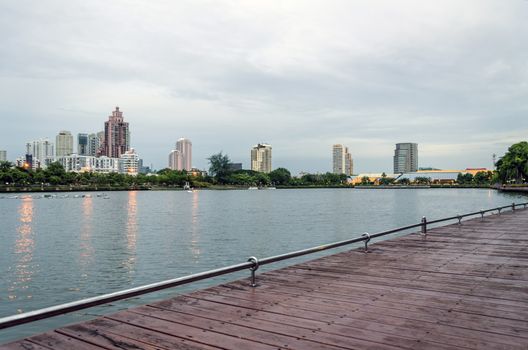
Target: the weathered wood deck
(465, 287)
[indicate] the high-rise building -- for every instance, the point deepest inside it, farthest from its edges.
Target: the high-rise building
(349, 163)
(64, 143)
(116, 135)
(94, 144)
(175, 160)
(184, 146)
(405, 158)
(3, 156)
(261, 158)
(342, 162)
(82, 145)
(41, 152)
(129, 162)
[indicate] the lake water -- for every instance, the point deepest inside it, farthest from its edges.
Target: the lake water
(57, 250)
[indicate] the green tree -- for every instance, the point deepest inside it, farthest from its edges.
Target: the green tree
(5, 166)
(464, 179)
(513, 166)
(385, 180)
(280, 176)
(219, 167)
(483, 177)
(422, 180)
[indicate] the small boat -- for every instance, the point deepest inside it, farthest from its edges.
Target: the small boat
(253, 188)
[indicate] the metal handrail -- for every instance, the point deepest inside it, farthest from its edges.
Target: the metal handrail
(253, 264)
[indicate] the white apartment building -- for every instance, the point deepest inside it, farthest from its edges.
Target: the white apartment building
(42, 152)
(175, 160)
(64, 143)
(129, 162)
(78, 164)
(342, 162)
(184, 146)
(261, 158)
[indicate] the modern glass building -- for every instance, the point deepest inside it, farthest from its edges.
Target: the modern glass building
(82, 145)
(405, 158)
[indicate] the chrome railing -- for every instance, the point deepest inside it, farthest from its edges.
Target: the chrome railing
(252, 264)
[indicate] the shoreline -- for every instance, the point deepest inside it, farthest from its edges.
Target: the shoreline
(67, 188)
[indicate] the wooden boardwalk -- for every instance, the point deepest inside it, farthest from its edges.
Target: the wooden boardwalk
(465, 287)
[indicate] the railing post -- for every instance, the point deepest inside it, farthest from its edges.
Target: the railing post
(424, 226)
(513, 206)
(499, 210)
(366, 234)
(482, 214)
(253, 269)
(459, 217)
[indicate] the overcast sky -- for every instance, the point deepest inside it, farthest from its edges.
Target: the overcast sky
(451, 76)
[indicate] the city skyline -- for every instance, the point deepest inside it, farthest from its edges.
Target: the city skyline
(181, 157)
(302, 76)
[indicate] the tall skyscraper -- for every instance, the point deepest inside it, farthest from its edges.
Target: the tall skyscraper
(64, 143)
(261, 158)
(41, 151)
(184, 146)
(175, 160)
(117, 135)
(3, 156)
(82, 145)
(349, 163)
(405, 158)
(342, 162)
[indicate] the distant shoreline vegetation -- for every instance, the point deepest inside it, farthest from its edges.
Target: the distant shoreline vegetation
(512, 170)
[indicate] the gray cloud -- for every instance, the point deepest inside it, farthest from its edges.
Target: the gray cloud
(300, 75)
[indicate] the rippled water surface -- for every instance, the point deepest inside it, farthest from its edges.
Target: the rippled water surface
(63, 249)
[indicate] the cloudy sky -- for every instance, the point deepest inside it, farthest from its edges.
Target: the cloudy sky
(300, 75)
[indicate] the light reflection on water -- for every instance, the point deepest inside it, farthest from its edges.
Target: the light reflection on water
(195, 230)
(23, 252)
(131, 232)
(58, 250)
(86, 254)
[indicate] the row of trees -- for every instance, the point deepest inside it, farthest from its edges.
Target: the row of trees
(55, 174)
(222, 174)
(480, 178)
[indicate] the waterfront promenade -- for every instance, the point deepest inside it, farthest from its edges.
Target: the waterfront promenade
(463, 287)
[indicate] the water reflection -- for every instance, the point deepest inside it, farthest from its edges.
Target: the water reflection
(195, 233)
(23, 251)
(87, 250)
(131, 231)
